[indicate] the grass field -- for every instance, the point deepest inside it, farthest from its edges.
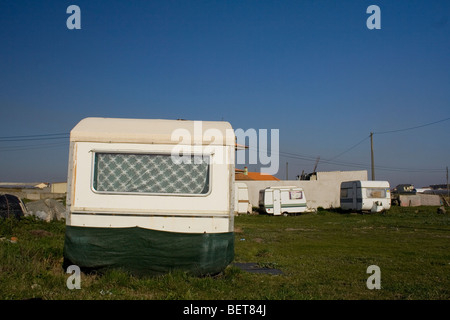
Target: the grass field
(321, 256)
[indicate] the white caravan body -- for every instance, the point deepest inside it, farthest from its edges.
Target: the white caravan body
(241, 201)
(373, 196)
(164, 187)
(282, 200)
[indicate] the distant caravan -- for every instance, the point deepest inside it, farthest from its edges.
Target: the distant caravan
(368, 196)
(282, 200)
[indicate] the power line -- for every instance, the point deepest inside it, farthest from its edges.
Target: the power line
(353, 164)
(33, 139)
(393, 131)
(36, 135)
(34, 146)
(352, 147)
(411, 128)
(380, 168)
(50, 136)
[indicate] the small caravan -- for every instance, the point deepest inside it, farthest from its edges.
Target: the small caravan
(282, 200)
(373, 196)
(150, 196)
(241, 202)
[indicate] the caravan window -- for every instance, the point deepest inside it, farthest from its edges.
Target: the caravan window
(295, 195)
(376, 193)
(150, 173)
(346, 193)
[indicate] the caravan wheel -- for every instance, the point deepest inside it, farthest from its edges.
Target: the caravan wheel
(285, 214)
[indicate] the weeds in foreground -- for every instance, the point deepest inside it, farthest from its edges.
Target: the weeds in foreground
(321, 256)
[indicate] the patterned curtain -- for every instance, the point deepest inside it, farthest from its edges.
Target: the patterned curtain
(150, 173)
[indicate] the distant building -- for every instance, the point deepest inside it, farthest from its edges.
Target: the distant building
(438, 186)
(253, 176)
(58, 187)
(34, 190)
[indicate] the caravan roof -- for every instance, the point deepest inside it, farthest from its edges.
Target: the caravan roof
(366, 184)
(157, 131)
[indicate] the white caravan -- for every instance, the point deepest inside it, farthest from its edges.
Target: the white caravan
(241, 202)
(151, 195)
(282, 200)
(373, 196)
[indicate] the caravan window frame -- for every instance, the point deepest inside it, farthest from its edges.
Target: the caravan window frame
(293, 192)
(371, 190)
(164, 153)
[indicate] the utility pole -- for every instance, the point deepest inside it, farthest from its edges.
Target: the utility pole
(371, 156)
(286, 171)
(448, 192)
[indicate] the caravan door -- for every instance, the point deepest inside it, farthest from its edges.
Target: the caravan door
(355, 196)
(276, 202)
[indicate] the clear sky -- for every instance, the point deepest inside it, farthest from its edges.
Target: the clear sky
(311, 69)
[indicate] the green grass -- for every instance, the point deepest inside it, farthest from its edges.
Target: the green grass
(322, 256)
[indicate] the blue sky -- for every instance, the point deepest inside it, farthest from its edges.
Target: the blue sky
(311, 69)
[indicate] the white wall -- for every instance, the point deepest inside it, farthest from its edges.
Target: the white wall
(323, 192)
(59, 187)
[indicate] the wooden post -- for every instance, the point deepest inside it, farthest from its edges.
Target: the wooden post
(371, 156)
(448, 195)
(286, 171)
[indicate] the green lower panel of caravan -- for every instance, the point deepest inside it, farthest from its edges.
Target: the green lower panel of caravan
(295, 205)
(147, 252)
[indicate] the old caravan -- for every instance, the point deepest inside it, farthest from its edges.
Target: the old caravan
(241, 202)
(282, 200)
(150, 196)
(373, 196)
